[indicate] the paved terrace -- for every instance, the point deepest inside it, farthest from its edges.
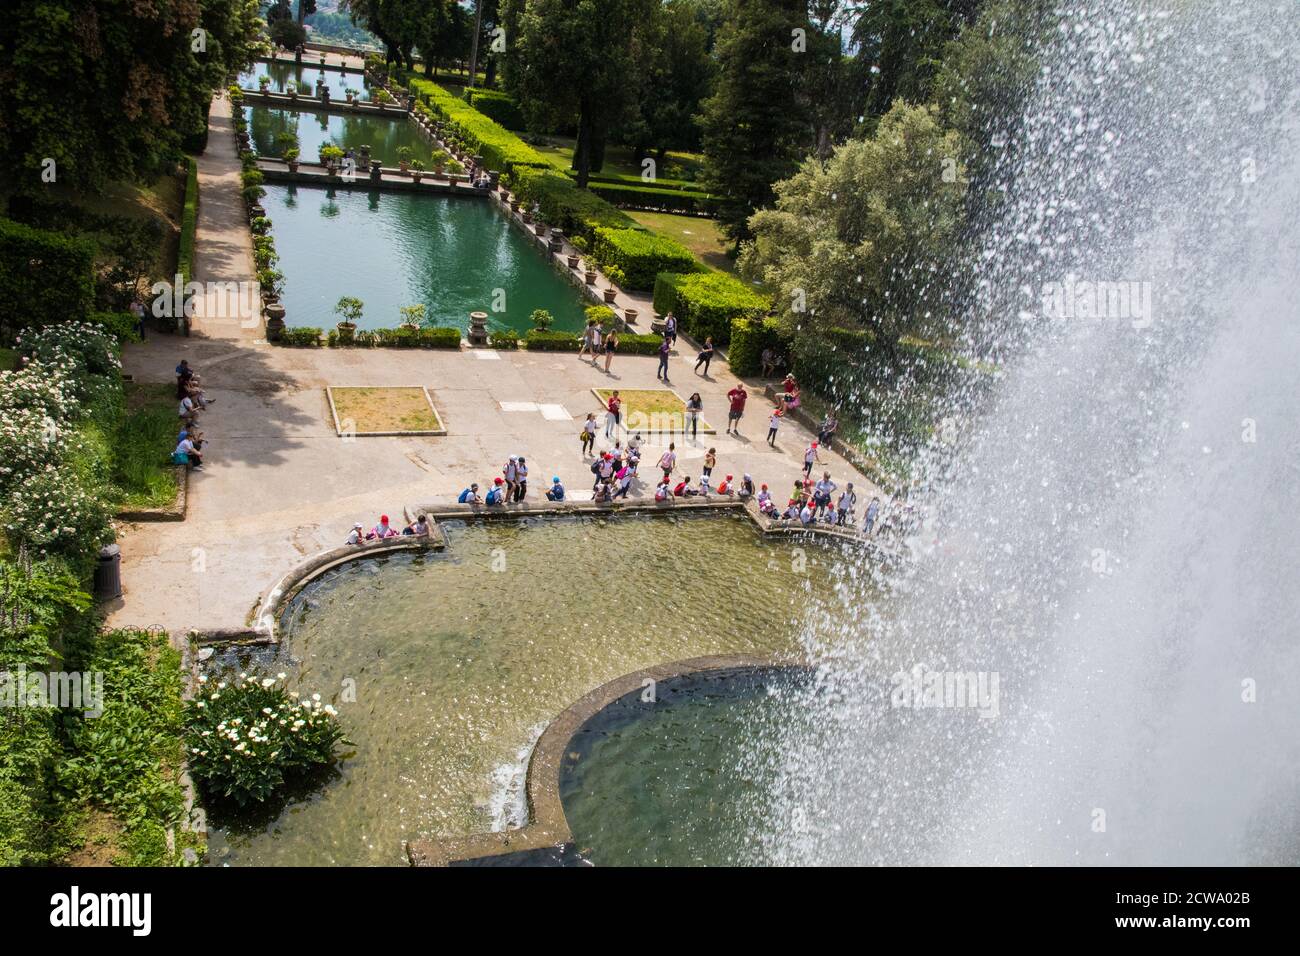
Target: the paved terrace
(279, 485)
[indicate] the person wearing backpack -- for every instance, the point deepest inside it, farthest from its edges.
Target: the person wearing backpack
(668, 461)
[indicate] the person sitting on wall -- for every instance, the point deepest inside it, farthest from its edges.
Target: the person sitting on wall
(381, 530)
(556, 491)
(418, 528)
(357, 534)
(470, 496)
(187, 454)
(496, 495)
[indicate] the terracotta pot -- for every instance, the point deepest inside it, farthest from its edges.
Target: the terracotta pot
(540, 229)
(629, 316)
(611, 295)
(573, 262)
(590, 277)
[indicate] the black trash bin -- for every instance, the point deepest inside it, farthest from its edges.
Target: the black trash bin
(108, 573)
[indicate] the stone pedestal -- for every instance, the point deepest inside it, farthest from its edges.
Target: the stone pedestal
(274, 321)
(375, 171)
(557, 240)
(478, 328)
(363, 155)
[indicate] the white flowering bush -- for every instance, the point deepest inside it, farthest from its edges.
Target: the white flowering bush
(28, 442)
(246, 736)
(42, 388)
(89, 345)
(55, 514)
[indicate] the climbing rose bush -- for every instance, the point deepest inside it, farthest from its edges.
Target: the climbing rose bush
(55, 514)
(247, 736)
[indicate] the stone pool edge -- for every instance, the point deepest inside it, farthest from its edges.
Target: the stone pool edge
(546, 839)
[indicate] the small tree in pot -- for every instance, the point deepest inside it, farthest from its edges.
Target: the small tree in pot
(349, 309)
(412, 316)
(417, 169)
(616, 278)
(404, 158)
(541, 319)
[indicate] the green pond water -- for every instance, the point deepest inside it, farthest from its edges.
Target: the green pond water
(305, 77)
(455, 254)
(682, 779)
(447, 668)
(314, 129)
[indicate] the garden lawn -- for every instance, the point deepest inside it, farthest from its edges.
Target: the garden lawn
(142, 447)
(370, 410)
(652, 410)
(699, 235)
(620, 162)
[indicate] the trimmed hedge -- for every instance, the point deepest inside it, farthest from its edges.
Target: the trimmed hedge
(438, 337)
(189, 221)
(641, 255)
(749, 337)
(631, 343)
(301, 337)
(505, 339)
(705, 303)
(45, 277)
(497, 106)
(500, 148)
(540, 341)
(657, 198)
(562, 204)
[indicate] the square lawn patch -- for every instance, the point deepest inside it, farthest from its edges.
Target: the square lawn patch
(384, 411)
(654, 410)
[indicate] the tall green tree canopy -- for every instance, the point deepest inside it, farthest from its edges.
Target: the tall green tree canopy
(573, 59)
(107, 90)
(862, 240)
(754, 131)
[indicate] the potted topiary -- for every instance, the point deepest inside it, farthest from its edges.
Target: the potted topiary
(292, 89)
(291, 157)
(412, 316)
(330, 156)
(616, 278)
(590, 275)
(417, 169)
(541, 319)
(404, 158)
(351, 94)
(350, 310)
(271, 281)
(264, 83)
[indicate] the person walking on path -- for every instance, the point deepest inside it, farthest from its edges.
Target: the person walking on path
(737, 396)
(869, 523)
(613, 415)
(705, 357)
(611, 346)
(810, 458)
(694, 408)
(664, 349)
(588, 341)
(670, 329)
(844, 508)
(773, 424)
(668, 461)
(588, 434)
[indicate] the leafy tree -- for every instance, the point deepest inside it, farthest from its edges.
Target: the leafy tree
(903, 42)
(753, 130)
(305, 9)
(673, 74)
(574, 58)
(398, 24)
(288, 33)
(861, 241)
(107, 91)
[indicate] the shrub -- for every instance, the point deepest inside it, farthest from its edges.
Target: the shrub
(300, 337)
(749, 337)
(497, 106)
(600, 314)
(540, 341)
(505, 339)
(541, 319)
(348, 309)
(45, 277)
(435, 337)
(252, 177)
(500, 148)
(640, 255)
(121, 325)
(632, 343)
(562, 204)
(55, 513)
(656, 198)
(246, 738)
(706, 302)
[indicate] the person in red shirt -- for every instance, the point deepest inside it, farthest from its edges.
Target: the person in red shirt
(612, 419)
(737, 396)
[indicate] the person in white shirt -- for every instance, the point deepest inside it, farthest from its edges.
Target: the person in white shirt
(356, 536)
(187, 454)
(847, 503)
(187, 411)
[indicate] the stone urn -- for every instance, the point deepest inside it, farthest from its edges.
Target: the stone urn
(494, 177)
(658, 325)
(514, 205)
(557, 240)
(610, 295)
(528, 216)
(274, 321)
(478, 334)
(363, 154)
(255, 211)
(629, 316)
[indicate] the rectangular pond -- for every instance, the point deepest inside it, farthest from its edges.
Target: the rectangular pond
(306, 77)
(455, 255)
(348, 131)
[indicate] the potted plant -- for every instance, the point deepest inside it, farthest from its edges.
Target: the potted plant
(351, 95)
(404, 158)
(590, 275)
(541, 319)
(412, 316)
(573, 260)
(264, 83)
(292, 89)
(382, 97)
(260, 226)
(350, 310)
(629, 316)
(539, 228)
(271, 281)
(330, 156)
(291, 157)
(417, 169)
(616, 278)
